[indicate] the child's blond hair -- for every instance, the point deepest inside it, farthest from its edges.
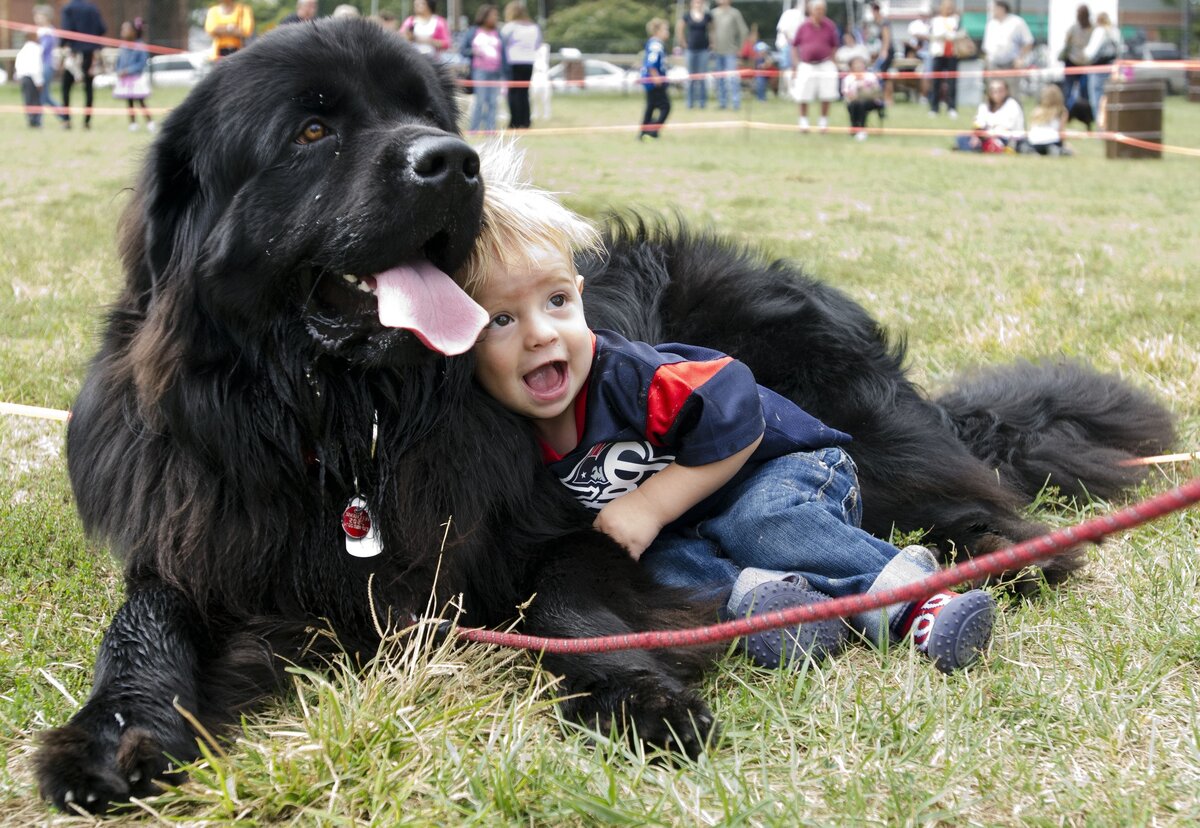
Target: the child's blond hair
(1051, 107)
(518, 219)
(655, 24)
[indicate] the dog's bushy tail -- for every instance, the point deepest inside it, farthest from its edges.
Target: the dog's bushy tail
(1060, 423)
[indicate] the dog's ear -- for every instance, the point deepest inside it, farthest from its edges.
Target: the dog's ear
(171, 215)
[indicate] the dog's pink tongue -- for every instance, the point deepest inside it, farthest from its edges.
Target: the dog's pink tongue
(420, 298)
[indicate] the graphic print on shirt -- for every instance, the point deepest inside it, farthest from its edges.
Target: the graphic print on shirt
(610, 470)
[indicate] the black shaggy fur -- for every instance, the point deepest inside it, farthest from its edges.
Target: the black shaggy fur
(228, 416)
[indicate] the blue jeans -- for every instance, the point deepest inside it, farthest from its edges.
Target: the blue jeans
(1096, 84)
(1075, 87)
(697, 88)
(729, 88)
(47, 97)
(796, 514)
(483, 110)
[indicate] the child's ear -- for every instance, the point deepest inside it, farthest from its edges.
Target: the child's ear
(579, 282)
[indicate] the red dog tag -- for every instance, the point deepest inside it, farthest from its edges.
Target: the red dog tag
(362, 539)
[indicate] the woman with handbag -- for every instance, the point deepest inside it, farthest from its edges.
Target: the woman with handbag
(1104, 47)
(133, 79)
(1073, 54)
(942, 36)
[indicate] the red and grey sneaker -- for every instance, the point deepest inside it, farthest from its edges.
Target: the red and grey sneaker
(791, 645)
(952, 629)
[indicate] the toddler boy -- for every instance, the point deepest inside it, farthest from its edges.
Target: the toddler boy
(710, 480)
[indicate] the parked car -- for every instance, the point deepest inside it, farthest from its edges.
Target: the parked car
(1046, 70)
(597, 75)
(1175, 77)
(183, 69)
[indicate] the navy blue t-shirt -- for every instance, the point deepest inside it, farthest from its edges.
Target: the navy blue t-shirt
(645, 407)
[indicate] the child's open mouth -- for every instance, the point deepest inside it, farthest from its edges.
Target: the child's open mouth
(547, 382)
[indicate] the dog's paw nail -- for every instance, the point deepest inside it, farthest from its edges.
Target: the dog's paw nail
(136, 776)
(91, 798)
(69, 797)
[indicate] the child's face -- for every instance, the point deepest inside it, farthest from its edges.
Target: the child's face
(535, 354)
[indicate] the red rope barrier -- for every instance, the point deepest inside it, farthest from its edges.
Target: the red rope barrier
(80, 37)
(996, 563)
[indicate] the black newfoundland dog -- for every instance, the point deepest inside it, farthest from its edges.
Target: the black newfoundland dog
(246, 391)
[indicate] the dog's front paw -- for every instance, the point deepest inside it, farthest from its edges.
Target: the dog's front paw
(79, 769)
(675, 720)
(679, 722)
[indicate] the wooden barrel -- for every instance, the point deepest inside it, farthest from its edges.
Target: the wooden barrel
(1134, 108)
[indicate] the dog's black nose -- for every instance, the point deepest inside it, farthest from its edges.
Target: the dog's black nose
(442, 159)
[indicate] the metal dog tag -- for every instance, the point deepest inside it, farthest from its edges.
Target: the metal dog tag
(362, 537)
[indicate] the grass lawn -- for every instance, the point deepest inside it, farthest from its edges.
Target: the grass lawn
(1087, 708)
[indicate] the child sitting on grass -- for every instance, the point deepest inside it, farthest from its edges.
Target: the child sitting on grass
(1047, 122)
(710, 480)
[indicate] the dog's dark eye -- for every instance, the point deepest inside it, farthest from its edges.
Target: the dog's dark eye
(313, 131)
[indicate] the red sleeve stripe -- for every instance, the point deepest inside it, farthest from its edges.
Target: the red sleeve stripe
(670, 389)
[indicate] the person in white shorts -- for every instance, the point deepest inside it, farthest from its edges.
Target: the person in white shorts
(815, 76)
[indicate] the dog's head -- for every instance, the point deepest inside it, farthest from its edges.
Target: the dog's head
(315, 182)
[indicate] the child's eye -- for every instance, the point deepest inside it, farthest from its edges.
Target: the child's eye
(500, 320)
(558, 300)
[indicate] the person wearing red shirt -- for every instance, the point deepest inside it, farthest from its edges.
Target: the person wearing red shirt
(815, 76)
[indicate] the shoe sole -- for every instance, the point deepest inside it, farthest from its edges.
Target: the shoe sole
(790, 645)
(970, 616)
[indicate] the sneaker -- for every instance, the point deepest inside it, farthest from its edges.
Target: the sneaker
(133, 127)
(804, 125)
(791, 645)
(952, 629)
(151, 127)
(953, 113)
(823, 125)
(861, 136)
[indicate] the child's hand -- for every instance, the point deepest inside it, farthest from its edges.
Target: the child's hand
(630, 522)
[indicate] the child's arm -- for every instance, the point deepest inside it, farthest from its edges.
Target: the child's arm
(635, 519)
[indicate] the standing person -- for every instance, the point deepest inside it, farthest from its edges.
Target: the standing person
(877, 34)
(785, 33)
(815, 75)
(1074, 53)
(43, 18)
(133, 82)
(694, 30)
(305, 10)
(917, 46)
(426, 29)
(27, 71)
(729, 30)
(486, 63)
(83, 17)
(943, 30)
(1007, 41)
(521, 37)
(706, 478)
(1104, 47)
(230, 24)
(654, 79)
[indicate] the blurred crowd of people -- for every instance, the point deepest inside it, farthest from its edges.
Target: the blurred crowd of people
(818, 63)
